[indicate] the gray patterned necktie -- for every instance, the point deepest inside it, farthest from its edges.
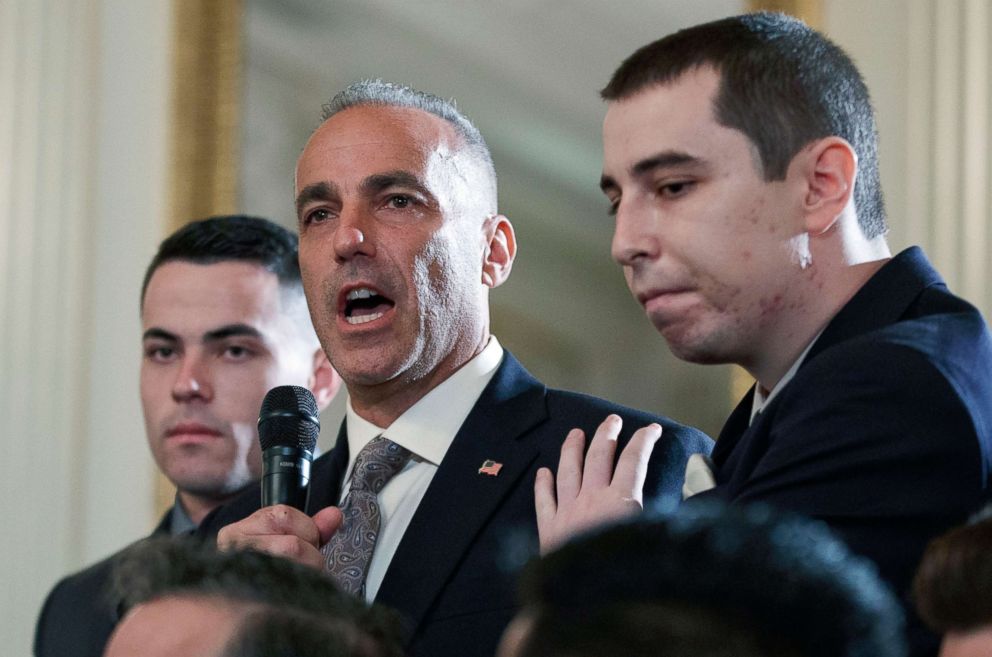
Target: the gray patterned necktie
(348, 553)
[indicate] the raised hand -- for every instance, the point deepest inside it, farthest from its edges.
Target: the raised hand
(588, 491)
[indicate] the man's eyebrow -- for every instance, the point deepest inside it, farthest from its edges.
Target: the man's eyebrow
(321, 191)
(648, 164)
(230, 331)
(378, 182)
(662, 160)
(156, 333)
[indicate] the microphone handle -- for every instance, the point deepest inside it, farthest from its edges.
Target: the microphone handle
(286, 476)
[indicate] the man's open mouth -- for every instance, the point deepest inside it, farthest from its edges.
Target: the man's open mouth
(365, 304)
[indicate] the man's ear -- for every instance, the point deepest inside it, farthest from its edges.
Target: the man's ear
(324, 380)
(501, 248)
(830, 172)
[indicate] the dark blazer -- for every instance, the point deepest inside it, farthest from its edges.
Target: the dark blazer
(80, 613)
(452, 577)
(885, 433)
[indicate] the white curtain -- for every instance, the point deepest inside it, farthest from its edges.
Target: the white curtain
(83, 115)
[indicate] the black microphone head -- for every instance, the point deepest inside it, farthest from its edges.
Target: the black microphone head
(289, 418)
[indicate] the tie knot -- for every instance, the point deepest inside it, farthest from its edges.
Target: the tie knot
(376, 464)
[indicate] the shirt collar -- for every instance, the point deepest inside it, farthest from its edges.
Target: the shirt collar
(428, 427)
(179, 520)
(761, 399)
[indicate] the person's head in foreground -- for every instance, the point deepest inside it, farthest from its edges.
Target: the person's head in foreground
(740, 164)
(707, 581)
(183, 597)
(953, 588)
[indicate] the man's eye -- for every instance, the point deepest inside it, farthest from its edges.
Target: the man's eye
(614, 206)
(160, 354)
(236, 352)
(316, 217)
(675, 189)
(399, 201)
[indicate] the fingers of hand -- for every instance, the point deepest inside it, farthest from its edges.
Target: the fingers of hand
(569, 478)
(544, 497)
(328, 521)
(269, 522)
(599, 460)
(287, 546)
(632, 467)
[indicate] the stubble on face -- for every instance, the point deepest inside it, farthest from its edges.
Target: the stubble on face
(218, 336)
(695, 215)
(426, 260)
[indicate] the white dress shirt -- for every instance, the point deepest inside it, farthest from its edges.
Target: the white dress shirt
(426, 429)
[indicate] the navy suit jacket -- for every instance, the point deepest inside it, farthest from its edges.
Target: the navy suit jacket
(80, 613)
(452, 577)
(885, 433)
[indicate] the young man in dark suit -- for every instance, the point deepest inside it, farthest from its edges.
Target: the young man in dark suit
(400, 244)
(740, 164)
(224, 319)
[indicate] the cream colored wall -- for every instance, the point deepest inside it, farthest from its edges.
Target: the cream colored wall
(929, 69)
(83, 109)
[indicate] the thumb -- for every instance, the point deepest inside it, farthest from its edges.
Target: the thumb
(328, 520)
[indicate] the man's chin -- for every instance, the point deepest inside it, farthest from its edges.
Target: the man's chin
(696, 352)
(217, 487)
(369, 370)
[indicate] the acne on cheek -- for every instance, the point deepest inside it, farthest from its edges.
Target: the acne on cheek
(770, 305)
(754, 213)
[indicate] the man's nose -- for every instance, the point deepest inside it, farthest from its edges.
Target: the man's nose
(634, 236)
(354, 234)
(192, 380)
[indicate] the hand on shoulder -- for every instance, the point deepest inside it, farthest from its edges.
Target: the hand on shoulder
(588, 491)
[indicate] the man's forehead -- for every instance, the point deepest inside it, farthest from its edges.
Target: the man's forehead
(231, 289)
(404, 128)
(677, 117)
(688, 98)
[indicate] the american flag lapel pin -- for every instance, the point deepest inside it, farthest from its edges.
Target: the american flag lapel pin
(490, 467)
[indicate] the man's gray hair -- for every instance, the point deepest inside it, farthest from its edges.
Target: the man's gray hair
(379, 93)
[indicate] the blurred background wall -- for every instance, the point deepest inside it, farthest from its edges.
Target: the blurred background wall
(121, 120)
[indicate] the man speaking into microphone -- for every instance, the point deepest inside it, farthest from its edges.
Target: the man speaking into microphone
(401, 243)
(224, 320)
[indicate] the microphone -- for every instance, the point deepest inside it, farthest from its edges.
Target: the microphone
(288, 425)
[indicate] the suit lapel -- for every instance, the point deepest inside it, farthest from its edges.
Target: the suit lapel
(328, 473)
(460, 500)
(881, 301)
(733, 430)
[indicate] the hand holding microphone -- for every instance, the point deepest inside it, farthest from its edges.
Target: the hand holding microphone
(288, 426)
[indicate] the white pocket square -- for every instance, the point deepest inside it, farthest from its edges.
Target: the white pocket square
(698, 475)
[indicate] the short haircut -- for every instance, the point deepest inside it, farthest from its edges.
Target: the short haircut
(271, 632)
(953, 584)
(237, 238)
(185, 566)
(710, 581)
(782, 84)
(379, 93)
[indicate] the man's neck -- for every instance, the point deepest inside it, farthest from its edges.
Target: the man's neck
(795, 332)
(382, 403)
(198, 506)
